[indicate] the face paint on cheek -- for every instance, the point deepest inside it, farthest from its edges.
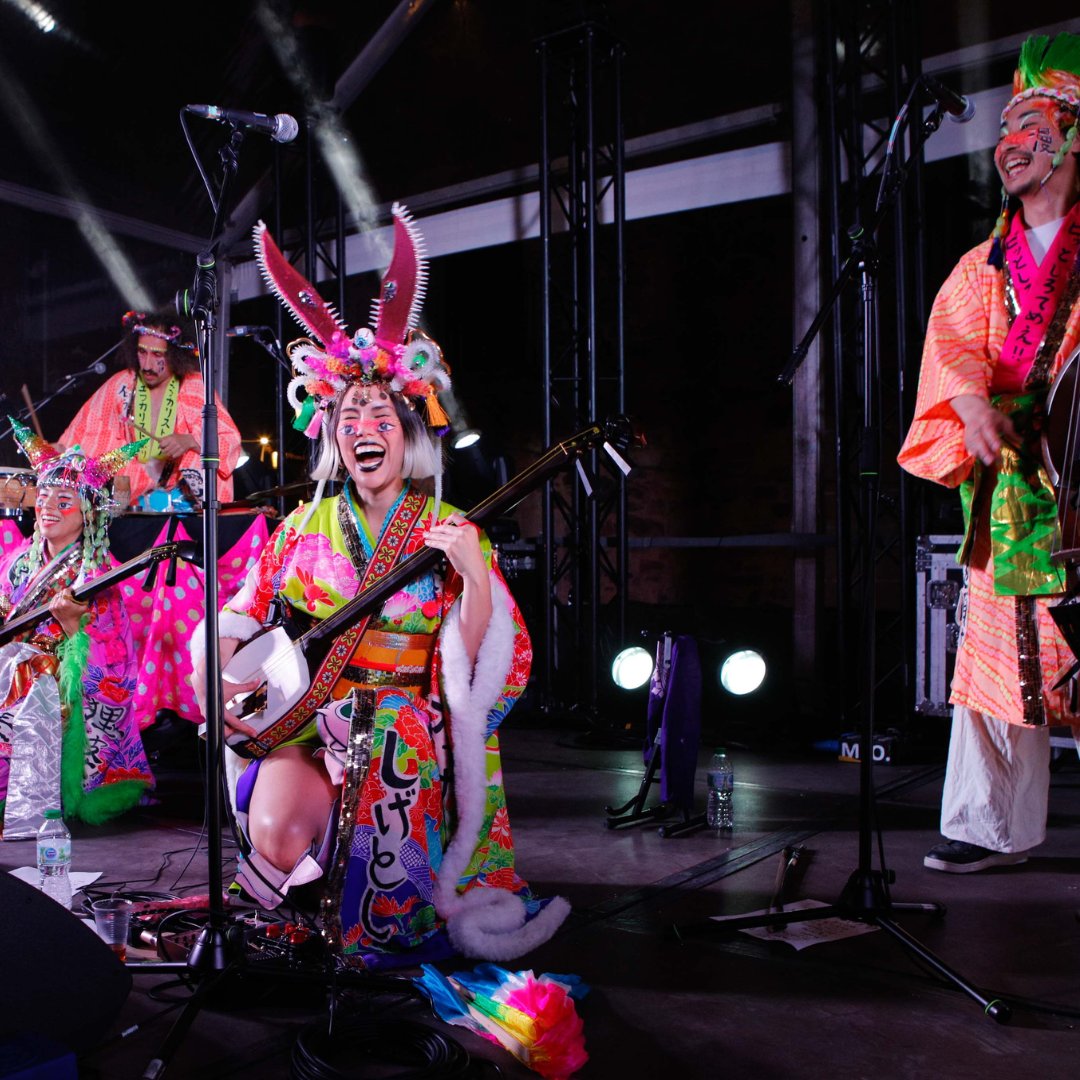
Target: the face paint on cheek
(1043, 141)
(1014, 140)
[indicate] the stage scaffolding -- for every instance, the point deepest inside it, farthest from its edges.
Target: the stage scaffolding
(583, 550)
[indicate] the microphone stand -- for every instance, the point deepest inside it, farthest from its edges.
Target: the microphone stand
(211, 953)
(217, 951)
(866, 894)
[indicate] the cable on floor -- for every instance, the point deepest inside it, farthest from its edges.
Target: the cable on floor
(360, 1044)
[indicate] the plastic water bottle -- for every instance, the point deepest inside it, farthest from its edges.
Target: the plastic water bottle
(719, 813)
(54, 858)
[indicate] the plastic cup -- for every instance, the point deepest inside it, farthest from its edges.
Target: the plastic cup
(112, 918)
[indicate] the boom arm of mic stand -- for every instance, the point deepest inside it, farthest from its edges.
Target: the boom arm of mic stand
(69, 380)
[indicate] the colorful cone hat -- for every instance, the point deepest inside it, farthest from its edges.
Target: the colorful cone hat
(90, 476)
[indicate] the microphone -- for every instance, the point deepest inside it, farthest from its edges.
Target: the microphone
(249, 331)
(282, 128)
(960, 108)
(96, 368)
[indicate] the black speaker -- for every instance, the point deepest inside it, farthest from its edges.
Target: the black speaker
(60, 980)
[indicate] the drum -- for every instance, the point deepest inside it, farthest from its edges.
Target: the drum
(17, 491)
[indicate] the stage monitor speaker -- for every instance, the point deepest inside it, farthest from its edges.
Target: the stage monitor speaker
(60, 980)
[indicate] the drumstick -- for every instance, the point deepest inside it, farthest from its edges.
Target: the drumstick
(33, 413)
(140, 430)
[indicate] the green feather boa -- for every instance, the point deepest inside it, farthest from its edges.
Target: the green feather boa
(103, 802)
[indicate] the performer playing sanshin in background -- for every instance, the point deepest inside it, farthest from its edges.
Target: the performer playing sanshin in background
(68, 733)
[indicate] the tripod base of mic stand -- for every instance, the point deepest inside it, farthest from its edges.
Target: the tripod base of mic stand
(211, 949)
(865, 899)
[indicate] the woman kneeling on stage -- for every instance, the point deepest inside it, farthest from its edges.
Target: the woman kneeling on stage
(385, 779)
(69, 738)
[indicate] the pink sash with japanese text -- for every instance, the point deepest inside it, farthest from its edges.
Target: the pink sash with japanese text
(1039, 288)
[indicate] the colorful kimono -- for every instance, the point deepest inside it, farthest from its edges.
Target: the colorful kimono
(1004, 336)
(102, 766)
(104, 422)
(431, 853)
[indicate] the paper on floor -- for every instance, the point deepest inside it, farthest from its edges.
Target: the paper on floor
(800, 935)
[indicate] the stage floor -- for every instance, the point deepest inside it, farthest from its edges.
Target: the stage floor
(669, 989)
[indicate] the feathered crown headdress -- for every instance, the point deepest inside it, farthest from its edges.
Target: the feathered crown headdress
(395, 353)
(1048, 69)
(89, 476)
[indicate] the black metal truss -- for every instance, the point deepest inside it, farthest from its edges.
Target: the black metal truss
(584, 558)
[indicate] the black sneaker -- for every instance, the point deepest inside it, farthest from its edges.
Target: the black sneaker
(958, 857)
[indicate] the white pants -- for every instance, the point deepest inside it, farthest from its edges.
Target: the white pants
(997, 783)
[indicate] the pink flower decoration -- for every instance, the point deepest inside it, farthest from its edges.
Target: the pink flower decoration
(313, 594)
(560, 1050)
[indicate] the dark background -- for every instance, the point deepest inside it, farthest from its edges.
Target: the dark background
(92, 110)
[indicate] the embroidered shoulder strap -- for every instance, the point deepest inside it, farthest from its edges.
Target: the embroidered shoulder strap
(389, 550)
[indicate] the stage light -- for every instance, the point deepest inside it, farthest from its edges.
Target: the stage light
(632, 668)
(742, 672)
(466, 438)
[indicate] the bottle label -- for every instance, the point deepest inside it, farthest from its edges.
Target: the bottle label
(54, 852)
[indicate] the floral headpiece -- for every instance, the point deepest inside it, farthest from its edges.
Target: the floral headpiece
(1045, 69)
(1048, 69)
(89, 476)
(394, 354)
(135, 322)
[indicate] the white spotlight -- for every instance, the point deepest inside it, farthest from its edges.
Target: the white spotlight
(631, 668)
(467, 438)
(742, 672)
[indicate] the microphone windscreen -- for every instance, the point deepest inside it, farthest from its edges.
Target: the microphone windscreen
(286, 128)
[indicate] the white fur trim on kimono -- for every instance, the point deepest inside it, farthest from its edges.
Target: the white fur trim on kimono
(486, 923)
(230, 625)
(490, 924)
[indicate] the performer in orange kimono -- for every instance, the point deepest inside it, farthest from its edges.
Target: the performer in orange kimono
(159, 396)
(1001, 328)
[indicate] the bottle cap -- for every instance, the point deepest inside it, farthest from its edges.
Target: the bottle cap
(51, 815)
(720, 750)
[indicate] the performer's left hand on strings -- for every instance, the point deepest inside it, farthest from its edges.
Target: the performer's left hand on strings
(459, 540)
(68, 612)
